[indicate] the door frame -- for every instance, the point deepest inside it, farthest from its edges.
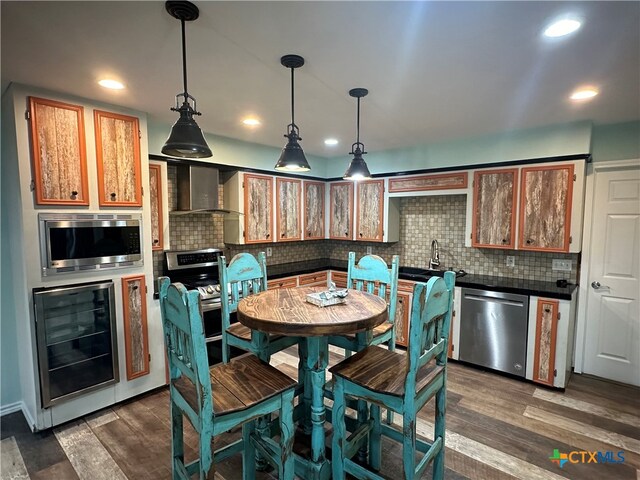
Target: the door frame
(583, 289)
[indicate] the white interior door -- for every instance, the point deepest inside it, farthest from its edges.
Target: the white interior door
(612, 336)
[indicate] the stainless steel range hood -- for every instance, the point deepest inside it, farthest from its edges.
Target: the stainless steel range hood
(197, 191)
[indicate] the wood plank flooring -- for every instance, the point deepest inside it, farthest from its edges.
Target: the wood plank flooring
(498, 428)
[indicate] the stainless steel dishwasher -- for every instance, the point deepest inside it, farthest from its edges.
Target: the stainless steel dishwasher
(493, 330)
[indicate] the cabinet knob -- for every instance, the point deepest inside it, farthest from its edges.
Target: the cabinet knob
(113, 195)
(360, 234)
(282, 235)
(74, 194)
(547, 310)
(135, 287)
(308, 234)
(346, 234)
(267, 235)
(529, 241)
(156, 241)
(504, 240)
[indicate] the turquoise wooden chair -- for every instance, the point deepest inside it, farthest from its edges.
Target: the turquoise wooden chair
(218, 399)
(371, 274)
(245, 276)
(401, 383)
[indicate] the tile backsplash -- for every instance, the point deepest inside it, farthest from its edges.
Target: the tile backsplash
(422, 219)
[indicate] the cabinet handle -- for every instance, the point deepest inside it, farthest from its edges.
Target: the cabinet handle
(113, 195)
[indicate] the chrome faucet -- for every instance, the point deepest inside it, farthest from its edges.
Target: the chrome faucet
(434, 261)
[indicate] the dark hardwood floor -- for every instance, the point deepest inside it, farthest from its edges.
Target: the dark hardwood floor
(497, 428)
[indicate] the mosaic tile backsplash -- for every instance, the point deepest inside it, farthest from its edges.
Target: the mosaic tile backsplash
(422, 219)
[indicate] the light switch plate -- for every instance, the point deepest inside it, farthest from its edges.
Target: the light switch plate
(561, 265)
(269, 251)
(369, 250)
(511, 261)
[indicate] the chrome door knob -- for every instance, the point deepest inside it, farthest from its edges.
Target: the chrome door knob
(595, 285)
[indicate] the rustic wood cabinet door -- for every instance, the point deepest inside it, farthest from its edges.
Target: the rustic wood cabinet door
(59, 153)
(370, 201)
(118, 156)
(403, 307)
(545, 208)
(136, 335)
(289, 194)
(313, 210)
(258, 208)
(545, 349)
(341, 210)
(155, 198)
(494, 203)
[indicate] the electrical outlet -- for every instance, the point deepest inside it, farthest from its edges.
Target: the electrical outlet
(269, 252)
(561, 265)
(511, 261)
(369, 250)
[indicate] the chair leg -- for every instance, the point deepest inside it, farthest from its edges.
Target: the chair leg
(225, 349)
(375, 444)
(339, 430)
(248, 451)
(347, 353)
(409, 444)
(207, 469)
(392, 348)
(287, 430)
(177, 442)
(440, 427)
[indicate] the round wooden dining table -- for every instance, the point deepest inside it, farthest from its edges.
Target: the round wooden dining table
(285, 311)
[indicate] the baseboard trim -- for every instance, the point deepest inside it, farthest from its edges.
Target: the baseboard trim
(10, 408)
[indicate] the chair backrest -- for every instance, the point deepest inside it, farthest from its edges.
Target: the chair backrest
(185, 343)
(429, 323)
(371, 274)
(244, 275)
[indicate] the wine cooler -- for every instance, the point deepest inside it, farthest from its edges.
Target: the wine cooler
(77, 349)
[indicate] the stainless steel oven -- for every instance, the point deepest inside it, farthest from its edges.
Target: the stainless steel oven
(84, 241)
(76, 334)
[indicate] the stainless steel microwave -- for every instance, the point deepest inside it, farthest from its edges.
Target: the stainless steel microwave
(85, 241)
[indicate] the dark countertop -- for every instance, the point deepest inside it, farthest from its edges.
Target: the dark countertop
(470, 280)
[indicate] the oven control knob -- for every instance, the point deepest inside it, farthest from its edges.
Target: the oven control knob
(209, 289)
(217, 288)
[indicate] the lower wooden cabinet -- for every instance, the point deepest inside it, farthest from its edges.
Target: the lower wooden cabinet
(287, 282)
(339, 278)
(545, 346)
(317, 279)
(136, 334)
(403, 309)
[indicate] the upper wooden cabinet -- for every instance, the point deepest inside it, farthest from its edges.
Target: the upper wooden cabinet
(155, 200)
(288, 192)
(341, 210)
(258, 208)
(369, 224)
(494, 204)
(545, 208)
(421, 183)
(313, 210)
(118, 156)
(59, 154)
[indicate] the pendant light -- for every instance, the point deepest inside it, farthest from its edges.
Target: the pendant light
(358, 168)
(186, 139)
(292, 158)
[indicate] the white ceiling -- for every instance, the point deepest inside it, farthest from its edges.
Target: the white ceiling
(435, 70)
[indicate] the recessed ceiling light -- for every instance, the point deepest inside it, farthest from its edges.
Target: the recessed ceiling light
(562, 27)
(251, 122)
(331, 142)
(584, 94)
(111, 84)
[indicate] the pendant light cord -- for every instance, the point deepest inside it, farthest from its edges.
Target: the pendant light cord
(184, 60)
(358, 124)
(293, 122)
